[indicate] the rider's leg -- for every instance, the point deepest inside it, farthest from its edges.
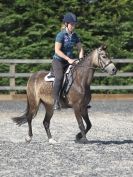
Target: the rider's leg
(51, 71)
(59, 74)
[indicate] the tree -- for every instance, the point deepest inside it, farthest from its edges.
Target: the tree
(28, 28)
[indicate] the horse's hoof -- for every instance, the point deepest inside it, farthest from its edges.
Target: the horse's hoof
(78, 136)
(83, 140)
(52, 141)
(28, 139)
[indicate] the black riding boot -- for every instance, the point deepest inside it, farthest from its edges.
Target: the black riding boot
(57, 88)
(56, 105)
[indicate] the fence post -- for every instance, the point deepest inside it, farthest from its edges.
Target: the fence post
(12, 79)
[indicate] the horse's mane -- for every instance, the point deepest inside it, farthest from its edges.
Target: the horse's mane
(87, 56)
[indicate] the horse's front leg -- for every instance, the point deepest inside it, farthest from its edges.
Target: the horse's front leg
(85, 116)
(81, 125)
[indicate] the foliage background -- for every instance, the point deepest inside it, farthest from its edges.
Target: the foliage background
(28, 29)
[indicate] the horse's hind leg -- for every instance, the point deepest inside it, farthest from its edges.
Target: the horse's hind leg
(29, 137)
(85, 116)
(81, 125)
(46, 122)
(33, 108)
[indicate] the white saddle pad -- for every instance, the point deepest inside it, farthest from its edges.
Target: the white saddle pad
(50, 78)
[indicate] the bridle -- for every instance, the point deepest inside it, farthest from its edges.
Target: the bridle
(102, 66)
(101, 63)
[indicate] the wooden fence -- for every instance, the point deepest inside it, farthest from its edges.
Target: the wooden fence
(12, 75)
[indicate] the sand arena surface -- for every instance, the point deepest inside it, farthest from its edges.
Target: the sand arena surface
(108, 153)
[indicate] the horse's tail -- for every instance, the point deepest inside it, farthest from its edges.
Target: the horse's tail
(22, 119)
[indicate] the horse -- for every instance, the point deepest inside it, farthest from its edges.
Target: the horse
(78, 97)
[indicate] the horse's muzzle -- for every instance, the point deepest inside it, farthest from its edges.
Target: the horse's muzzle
(111, 69)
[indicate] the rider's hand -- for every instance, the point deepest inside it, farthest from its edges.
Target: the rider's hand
(71, 61)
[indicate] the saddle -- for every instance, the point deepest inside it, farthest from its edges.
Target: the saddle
(67, 82)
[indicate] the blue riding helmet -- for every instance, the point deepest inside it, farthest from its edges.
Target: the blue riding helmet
(70, 18)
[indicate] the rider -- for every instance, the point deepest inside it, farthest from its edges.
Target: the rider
(63, 57)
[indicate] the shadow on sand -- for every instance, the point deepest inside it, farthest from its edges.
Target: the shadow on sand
(99, 142)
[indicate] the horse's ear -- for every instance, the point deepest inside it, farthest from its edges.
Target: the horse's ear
(103, 47)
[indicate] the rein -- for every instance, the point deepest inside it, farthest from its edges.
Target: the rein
(96, 68)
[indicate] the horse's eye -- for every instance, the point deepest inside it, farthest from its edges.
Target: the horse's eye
(104, 56)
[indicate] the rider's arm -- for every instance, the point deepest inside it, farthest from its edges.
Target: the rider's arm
(60, 53)
(80, 49)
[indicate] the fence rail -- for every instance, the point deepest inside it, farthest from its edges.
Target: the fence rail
(12, 75)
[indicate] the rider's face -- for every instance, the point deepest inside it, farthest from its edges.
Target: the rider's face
(71, 26)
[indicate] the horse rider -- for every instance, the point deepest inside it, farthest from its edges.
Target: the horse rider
(65, 40)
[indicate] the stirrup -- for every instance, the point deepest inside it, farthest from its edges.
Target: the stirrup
(88, 106)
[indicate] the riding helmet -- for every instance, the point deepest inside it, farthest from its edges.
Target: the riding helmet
(70, 18)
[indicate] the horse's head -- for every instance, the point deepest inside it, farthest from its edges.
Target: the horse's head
(102, 60)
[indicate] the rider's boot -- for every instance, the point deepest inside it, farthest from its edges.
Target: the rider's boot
(56, 105)
(57, 89)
